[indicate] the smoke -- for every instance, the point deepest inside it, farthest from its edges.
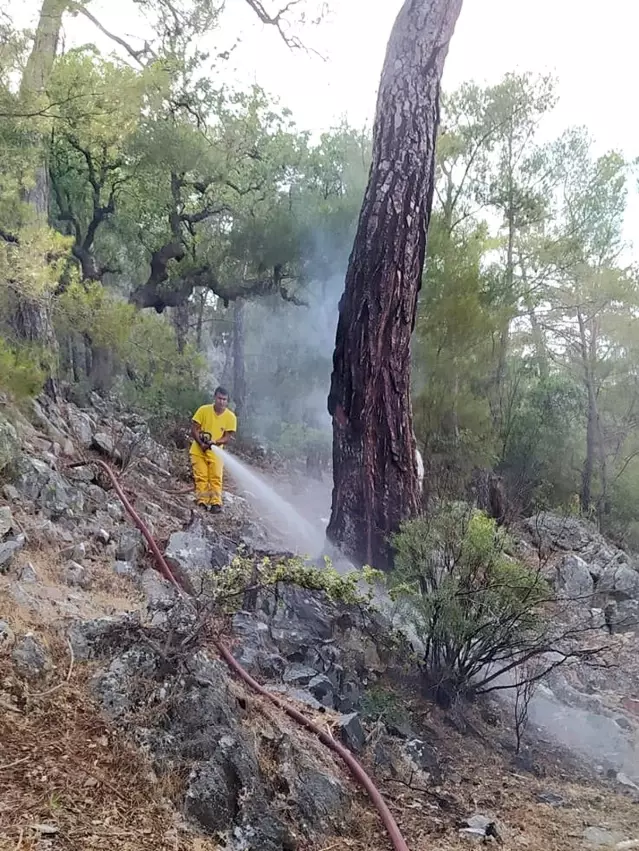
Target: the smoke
(288, 355)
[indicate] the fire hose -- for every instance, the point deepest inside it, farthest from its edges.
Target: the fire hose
(397, 840)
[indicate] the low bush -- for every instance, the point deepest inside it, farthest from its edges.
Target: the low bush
(477, 612)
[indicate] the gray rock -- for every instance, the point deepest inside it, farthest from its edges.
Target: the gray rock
(299, 675)
(227, 790)
(298, 694)
(322, 689)
(7, 637)
(40, 484)
(424, 757)
(115, 511)
(82, 426)
(552, 799)
(131, 546)
(6, 520)
(600, 837)
(82, 474)
(105, 444)
(77, 576)
(8, 549)
(9, 443)
(158, 591)
(28, 573)
(96, 496)
(190, 557)
(619, 582)
(626, 616)
(552, 531)
(351, 731)
(76, 552)
(30, 657)
(103, 537)
(90, 639)
(574, 579)
(349, 697)
(11, 493)
(123, 568)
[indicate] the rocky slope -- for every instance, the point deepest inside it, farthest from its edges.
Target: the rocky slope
(121, 728)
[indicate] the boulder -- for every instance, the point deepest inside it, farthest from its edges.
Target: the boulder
(574, 579)
(8, 549)
(7, 637)
(30, 657)
(190, 557)
(424, 757)
(40, 484)
(81, 425)
(351, 732)
(620, 582)
(158, 591)
(299, 675)
(555, 532)
(229, 790)
(322, 690)
(131, 546)
(6, 520)
(105, 444)
(9, 444)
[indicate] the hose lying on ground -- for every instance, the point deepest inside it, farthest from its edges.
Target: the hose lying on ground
(396, 838)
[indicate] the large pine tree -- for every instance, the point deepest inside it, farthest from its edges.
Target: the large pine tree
(374, 469)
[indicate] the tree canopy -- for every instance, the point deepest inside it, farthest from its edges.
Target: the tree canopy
(161, 232)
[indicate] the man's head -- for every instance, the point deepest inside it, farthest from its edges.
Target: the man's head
(221, 399)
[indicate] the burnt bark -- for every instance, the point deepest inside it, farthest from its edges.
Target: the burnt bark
(374, 467)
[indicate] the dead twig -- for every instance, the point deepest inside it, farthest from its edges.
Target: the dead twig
(15, 762)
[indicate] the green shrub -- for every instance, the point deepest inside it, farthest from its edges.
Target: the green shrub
(20, 372)
(475, 610)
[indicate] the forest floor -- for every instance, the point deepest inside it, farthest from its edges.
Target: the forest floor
(70, 781)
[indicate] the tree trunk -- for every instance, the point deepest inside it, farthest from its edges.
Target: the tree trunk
(595, 448)
(239, 375)
(34, 319)
(181, 315)
(374, 467)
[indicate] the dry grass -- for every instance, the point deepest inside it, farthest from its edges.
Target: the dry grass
(63, 768)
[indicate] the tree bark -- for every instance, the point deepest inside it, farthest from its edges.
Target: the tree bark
(374, 467)
(239, 374)
(34, 322)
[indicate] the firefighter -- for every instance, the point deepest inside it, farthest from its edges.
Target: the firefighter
(212, 425)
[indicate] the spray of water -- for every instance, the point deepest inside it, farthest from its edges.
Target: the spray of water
(297, 533)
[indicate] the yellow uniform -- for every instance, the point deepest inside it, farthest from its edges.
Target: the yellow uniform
(208, 467)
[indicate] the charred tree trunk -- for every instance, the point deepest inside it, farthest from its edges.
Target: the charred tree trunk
(374, 467)
(239, 373)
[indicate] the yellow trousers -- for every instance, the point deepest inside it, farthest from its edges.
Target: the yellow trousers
(207, 475)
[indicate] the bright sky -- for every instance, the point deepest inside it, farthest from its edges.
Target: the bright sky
(590, 49)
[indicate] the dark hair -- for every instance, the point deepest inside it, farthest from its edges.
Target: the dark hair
(221, 391)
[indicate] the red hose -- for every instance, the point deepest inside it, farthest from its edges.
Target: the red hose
(396, 838)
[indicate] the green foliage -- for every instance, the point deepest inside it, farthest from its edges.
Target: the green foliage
(145, 364)
(472, 606)
(20, 372)
(227, 587)
(383, 704)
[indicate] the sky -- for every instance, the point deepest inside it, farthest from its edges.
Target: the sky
(589, 47)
